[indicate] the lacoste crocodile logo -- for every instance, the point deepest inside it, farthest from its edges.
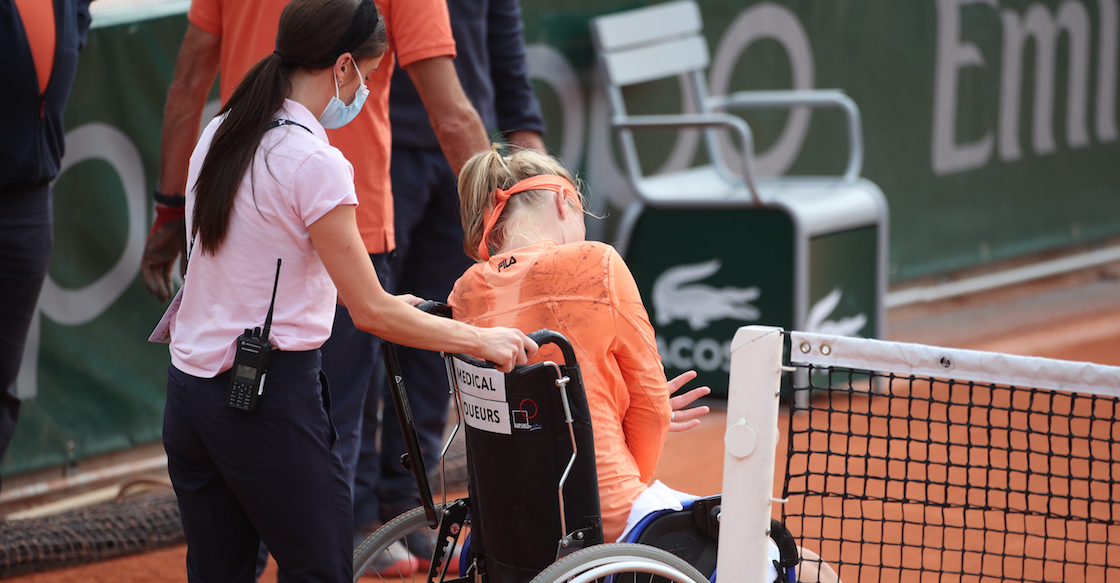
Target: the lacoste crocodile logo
(816, 322)
(675, 297)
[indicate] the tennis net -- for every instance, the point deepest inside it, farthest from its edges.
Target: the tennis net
(923, 464)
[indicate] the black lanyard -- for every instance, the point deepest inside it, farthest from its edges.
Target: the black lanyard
(271, 125)
(286, 122)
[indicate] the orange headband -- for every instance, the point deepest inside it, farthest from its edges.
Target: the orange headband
(557, 184)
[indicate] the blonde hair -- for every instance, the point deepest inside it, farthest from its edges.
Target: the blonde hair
(488, 171)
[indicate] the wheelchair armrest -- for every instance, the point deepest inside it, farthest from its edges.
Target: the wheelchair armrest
(804, 98)
(787, 545)
(700, 120)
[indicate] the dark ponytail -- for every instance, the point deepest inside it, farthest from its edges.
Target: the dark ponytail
(310, 33)
(255, 100)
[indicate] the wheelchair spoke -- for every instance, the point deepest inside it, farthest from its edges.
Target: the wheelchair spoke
(401, 550)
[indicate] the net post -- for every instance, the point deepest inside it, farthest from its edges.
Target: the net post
(750, 445)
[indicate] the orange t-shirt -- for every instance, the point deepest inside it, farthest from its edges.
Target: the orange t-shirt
(418, 30)
(586, 292)
(38, 24)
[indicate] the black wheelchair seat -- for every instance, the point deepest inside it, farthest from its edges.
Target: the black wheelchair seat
(530, 464)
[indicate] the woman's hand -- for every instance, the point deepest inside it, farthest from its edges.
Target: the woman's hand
(506, 347)
(410, 299)
(684, 419)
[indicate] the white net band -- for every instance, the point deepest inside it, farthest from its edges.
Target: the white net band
(962, 365)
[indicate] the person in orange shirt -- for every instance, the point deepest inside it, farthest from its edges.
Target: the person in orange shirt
(233, 36)
(523, 219)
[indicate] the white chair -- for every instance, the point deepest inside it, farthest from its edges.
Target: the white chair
(665, 41)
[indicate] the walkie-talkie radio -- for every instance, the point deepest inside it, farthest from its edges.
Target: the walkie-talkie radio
(251, 360)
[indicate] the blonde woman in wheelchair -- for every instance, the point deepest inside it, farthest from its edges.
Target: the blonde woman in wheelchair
(523, 218)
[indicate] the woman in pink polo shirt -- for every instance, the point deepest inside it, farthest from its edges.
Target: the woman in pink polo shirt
(270, 216)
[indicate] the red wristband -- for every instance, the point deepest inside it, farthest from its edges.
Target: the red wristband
(166, 214)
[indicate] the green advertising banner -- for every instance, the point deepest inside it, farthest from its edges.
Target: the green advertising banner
(989, 125)
(736, 269)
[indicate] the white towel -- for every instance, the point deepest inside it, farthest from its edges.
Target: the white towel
(656, 497)
(661, 497)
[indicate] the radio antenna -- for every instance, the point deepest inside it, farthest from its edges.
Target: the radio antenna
(268, 318)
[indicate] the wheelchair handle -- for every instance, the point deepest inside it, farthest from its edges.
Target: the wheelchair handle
(541, 337)
(546, 336)
(435, 308)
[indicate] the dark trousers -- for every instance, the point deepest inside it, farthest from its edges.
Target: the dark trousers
(271, 475)
(352, 363)
(428, 260)
(26, 238)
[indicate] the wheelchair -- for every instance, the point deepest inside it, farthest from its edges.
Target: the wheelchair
(532, 507)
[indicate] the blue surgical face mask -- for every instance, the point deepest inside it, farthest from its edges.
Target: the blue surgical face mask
(337, 113)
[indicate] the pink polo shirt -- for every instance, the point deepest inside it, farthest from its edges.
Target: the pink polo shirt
(295, 179)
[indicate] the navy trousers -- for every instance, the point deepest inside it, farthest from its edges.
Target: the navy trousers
(26, 238)
(272, 475)
(428, 260)
(352, 363)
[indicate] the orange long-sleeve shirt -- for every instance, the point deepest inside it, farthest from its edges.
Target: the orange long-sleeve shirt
(586, 292)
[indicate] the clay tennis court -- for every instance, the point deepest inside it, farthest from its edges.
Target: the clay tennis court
(1056, 321)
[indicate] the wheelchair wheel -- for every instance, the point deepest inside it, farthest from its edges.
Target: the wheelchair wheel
(401, 549)
(623, 562)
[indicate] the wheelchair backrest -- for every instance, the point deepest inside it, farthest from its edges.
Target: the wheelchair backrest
(519, 448)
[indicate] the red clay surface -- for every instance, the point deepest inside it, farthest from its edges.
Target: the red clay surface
(692, 461)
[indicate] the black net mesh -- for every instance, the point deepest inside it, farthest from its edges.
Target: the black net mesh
(920, 480)
(130, 525)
